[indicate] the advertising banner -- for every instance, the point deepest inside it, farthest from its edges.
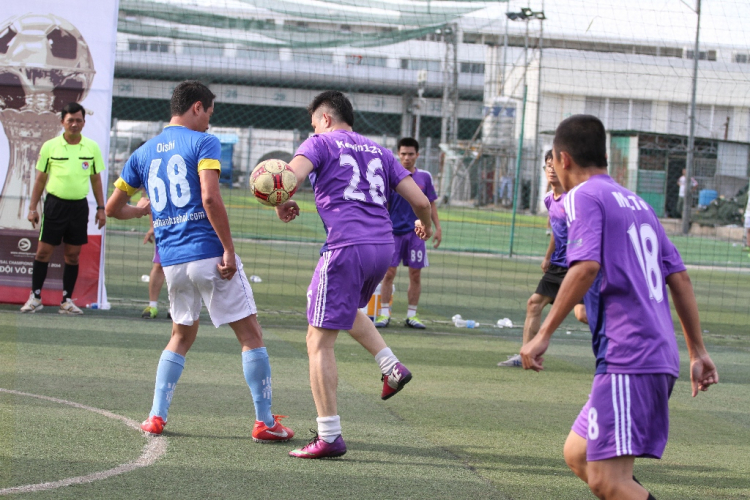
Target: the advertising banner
(51, 53)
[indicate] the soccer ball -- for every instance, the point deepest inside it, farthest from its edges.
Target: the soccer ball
(273, 182)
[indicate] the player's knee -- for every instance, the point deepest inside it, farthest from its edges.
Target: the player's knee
(575, 460)
(581, 316)
(415, 276)
(535, 304)
(390, 275)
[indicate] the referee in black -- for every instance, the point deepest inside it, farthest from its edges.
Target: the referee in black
(67, 165)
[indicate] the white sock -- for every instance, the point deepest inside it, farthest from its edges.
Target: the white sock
(411, 311)
(154, 304)
(387, 360)
(329, 428)
(385, 311)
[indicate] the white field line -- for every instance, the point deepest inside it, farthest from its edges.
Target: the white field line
(155, 447)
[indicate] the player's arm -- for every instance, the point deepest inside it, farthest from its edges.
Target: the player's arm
(409, 190)
(96, 187)
(36, 196)
(301, 166)
(437, 237)
(577, 282)
(217, 215)
(548, 254)
(702, 370)
(117, 206)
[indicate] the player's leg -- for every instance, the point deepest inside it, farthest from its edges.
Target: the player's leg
(534, 307)
(50, 235)
(613, 479)
(75, 235)
(580, 312)
(70, 276)
(386, 294)
(417, 259)
(185, 301)
(627, 417)
(574, 452)
(155, 283)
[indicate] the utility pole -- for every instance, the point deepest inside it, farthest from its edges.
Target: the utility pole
(688, 205)
(535, 178)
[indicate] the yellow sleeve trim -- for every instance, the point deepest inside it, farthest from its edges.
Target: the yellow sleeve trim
(124, 186)
(207, 164)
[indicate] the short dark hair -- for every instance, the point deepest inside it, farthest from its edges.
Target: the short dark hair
(408, 142)
(72, 108)
(338, 103)
(187, 93)
(583, 137)
(547, 156)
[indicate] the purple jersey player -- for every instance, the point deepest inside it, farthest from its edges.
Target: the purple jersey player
(621, 260)
(352, 177)
(409, 248)
(554, 265)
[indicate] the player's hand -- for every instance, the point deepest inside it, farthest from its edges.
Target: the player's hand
(228, 266)
(288, 211)
(531, 353)
(423, 232)
(145, 205)
(33, 217)
(545, 265)
(149, 238)
(100, 218)
(702, 373)
(437, 237)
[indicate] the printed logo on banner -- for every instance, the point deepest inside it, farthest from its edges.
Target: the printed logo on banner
(24, 244)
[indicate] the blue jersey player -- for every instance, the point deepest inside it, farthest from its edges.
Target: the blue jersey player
(621, 260)
(180, 170)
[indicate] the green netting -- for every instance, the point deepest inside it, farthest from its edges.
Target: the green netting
(243, 23)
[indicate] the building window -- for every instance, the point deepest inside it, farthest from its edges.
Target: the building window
(471, 67)
(261, 54)
(203, 50)
(702, 55)
(312, 57)
(741, 58)
(417, 64)
(137, 46)
(355, 60)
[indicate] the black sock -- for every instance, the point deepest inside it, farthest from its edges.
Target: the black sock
(650, 496)
(70, 275)
(634, 479)
(38, 275)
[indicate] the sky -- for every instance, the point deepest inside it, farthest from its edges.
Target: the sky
(661, 22)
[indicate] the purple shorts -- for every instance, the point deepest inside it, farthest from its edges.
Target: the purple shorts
(410, 250)
(626, 415)
(157, 257)
(344, 281)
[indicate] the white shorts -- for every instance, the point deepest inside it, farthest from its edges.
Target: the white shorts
(226, 301)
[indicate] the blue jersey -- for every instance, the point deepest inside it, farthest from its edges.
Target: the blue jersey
(167, 166)
(402, 215)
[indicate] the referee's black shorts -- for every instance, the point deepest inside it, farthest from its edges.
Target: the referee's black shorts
(550, 283)
(64, 221)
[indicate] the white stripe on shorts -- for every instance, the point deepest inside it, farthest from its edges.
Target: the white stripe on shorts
(621, 410)
(616, 413)
(320, 299)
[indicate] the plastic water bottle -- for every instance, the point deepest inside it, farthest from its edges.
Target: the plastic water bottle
(464, 323)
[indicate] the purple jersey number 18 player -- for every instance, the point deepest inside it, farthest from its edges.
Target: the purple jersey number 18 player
(352, 178)
(620, 258)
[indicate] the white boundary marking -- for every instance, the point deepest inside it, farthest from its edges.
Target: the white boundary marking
(152, 451)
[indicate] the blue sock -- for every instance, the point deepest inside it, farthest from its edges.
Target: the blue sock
(167, 374)
(257, 370)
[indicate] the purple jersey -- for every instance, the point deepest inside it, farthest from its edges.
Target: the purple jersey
(627, 306)
(402, 215)
(352, 177)
(559, 225)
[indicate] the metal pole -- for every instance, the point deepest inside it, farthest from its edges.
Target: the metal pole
(517, 186)
(505, 49)
(534, 178)
(691, 136)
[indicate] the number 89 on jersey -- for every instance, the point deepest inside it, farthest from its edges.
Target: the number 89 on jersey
(273, 182)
